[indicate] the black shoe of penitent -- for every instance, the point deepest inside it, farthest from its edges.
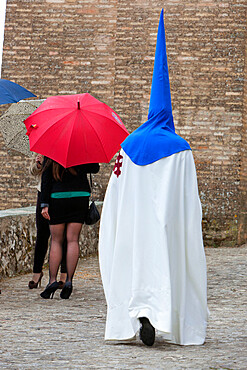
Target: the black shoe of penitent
(147, 332)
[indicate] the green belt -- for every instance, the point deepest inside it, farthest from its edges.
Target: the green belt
(70, 194)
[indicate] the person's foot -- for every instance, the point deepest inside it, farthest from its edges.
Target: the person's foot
(67, 290)
(36, 280)
(147, 332)
(63, 276)
(62, 280)
(49, 290)
(61, 284)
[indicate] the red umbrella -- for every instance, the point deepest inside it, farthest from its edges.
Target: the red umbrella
(75, 129)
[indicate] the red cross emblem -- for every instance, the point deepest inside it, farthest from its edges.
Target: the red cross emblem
(118, 165)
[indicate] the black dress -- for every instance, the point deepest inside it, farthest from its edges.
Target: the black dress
(67, 199)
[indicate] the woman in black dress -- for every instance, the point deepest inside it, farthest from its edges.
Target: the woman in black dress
(64, 202)
(43, 232)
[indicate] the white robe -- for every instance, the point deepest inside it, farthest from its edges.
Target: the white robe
(151, 250)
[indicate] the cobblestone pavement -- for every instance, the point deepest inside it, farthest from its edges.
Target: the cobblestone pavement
(69, 334)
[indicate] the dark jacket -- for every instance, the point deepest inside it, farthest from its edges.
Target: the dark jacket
(69, 182)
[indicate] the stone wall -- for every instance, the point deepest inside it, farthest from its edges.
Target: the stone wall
(242, 229)
(107, 48)
(18, 235)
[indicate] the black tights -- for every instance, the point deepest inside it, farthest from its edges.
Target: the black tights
(57, 235)
(42, 238)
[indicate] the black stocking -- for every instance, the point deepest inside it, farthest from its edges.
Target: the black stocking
(73, 251)
(55, 256)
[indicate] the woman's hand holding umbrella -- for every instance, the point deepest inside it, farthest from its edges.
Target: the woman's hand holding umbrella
(39, 160)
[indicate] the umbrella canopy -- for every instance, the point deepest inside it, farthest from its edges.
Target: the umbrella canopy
(75, 129)
(13, 128)
(11, 92)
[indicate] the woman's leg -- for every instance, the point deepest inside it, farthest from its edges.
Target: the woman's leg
(42, 237)
(73, 233)
(63, 268)
(55, 256)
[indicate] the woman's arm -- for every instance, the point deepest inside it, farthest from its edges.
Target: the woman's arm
(46, 184)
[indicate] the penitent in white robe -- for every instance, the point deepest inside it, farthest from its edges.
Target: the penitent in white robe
(151, 251)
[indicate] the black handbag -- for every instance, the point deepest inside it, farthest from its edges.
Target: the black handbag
(92, 215)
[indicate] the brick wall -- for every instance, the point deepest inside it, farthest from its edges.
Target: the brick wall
(107, 48)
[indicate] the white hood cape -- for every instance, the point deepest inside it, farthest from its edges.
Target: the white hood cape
(151, 252)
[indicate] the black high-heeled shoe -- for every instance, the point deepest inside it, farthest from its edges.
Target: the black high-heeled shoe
(67, 290)
(49, 290)
(33, 285)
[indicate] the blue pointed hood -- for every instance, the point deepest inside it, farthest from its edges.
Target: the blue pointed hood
(160, 97)
(156, 138)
